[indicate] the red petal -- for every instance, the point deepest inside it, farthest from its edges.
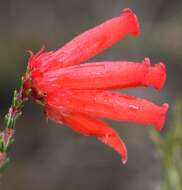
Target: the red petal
(91, 126)
(157, 75)
(95, 40)
(105, 75)
(110, 105)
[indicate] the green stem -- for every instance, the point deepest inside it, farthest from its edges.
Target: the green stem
(7, 134)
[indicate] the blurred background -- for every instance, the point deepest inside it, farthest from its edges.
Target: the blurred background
(48, 156)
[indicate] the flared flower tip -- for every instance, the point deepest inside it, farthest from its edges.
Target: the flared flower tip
(156, 76)
(134, 21)
(124, 157)
(115, 142)
(159, 75)
(124, 161)
(160, 123)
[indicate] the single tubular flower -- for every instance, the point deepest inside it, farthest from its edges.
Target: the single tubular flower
(78, 94)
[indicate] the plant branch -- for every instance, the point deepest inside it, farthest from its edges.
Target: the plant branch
(15, 111)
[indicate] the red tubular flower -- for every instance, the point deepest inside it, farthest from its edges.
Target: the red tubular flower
(110, 105)
(78, 95)
(103, 75)
(90, 42)
(90, 126)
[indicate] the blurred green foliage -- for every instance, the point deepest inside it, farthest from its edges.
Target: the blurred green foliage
(170, 150)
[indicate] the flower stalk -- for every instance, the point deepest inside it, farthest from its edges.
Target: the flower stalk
(15, 111)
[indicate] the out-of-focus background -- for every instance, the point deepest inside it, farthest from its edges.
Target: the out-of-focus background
(48, 156)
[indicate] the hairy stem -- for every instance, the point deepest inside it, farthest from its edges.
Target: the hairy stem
(7, 133)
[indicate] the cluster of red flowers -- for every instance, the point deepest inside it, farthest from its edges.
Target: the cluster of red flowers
(79, 94)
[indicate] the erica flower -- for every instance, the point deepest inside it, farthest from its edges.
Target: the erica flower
(79, 94)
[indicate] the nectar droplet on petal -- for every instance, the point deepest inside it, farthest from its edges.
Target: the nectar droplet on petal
(133, 107)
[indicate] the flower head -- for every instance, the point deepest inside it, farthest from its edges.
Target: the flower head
(79, 94)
